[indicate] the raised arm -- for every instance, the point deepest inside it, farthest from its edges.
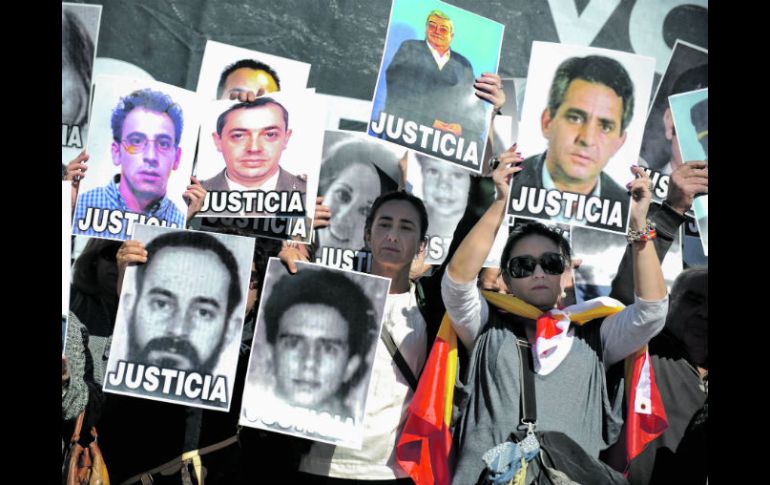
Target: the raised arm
(686, 181)
(648, 278)
(625, 332)
(472, 252)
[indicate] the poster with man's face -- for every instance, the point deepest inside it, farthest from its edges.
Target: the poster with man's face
(227, 70)
(687, 70)
(141, 148)
(66, 220)
(425, 97)
(261, 159)
(312, 353)
(600, 254)
(355, 170)
(691, 116)
(79, 36)
(180, 318)
(580, 132)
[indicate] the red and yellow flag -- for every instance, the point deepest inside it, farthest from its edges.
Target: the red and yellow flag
(423, 446)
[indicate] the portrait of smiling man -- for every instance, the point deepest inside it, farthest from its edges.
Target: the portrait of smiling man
(252, 136)
(432, 84)
(146, 130)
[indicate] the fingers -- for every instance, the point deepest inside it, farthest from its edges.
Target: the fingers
(131, 251)
(245, 96)
(489, 88)
(486, 96)
(641, 186)
(323, 215)
(488, 82)
(696, 164)
(77, 167)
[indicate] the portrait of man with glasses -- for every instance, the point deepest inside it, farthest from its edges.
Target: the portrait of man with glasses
(146, 130)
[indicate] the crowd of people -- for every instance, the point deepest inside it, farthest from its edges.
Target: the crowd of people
(577, 365)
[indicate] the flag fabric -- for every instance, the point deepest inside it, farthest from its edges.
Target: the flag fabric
(424, 444)
(646, 418)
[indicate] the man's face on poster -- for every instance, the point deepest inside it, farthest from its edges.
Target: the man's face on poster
(584, 133)
(439, 33)
(252, 142)
(147, 153)
(445, 187)
(179, 319)
(311, 356)
(246, 80)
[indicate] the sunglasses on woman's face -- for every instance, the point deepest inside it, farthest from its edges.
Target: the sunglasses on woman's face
(523, 266)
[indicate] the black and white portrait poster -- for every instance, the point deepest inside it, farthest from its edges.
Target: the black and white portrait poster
(691, 119)
(580, 132)
(261, 158)
(141, 148)
(355, 170)
(180, 318)
(600, 254)
(66, 246)
(425, 97)
(687, 70)
(79, 36)
(312, 353)
(227, 70)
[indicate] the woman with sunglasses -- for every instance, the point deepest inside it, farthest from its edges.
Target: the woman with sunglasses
(569, 359)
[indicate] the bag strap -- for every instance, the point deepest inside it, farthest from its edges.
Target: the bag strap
(398, 358)
(527, 378)
(178, 462)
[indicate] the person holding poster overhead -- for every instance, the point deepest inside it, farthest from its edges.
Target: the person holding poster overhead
(573, 395)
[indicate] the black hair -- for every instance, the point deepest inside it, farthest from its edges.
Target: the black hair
(331, 288)
(533, 229)
(249, 105)
(418, 205)
(151, 100)
(247, 64)
(594, 69)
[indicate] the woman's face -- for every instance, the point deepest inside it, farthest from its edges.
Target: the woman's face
(74, 97)
(349, 198)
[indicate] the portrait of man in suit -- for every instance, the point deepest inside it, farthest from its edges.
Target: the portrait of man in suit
(432, 84)
(251, 136)
(590, 105)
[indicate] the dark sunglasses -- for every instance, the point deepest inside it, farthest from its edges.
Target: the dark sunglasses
(523, 266)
